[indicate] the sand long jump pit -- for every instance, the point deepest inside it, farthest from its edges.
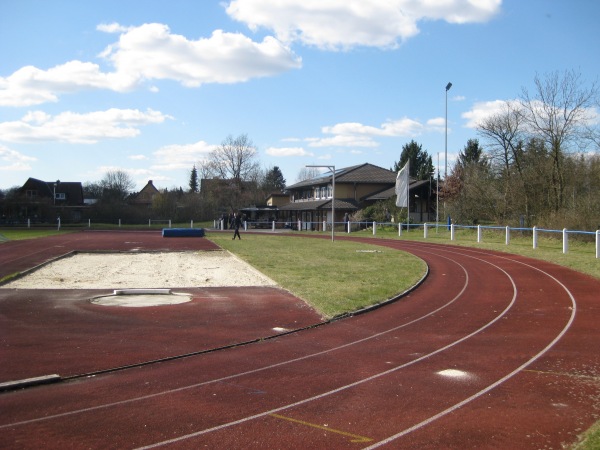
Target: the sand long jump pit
(142, 278)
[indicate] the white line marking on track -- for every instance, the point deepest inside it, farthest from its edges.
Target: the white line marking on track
(249, 372)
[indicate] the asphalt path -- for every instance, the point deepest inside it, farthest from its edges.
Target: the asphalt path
(490, 351)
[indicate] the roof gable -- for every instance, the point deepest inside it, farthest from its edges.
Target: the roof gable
(363, 173)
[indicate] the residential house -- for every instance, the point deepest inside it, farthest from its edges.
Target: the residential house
(355, 188)
(145, 196)
(46, 201)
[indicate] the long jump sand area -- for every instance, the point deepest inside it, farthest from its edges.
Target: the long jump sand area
(143, 271)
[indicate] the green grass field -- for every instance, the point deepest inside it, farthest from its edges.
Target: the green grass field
(334, 278)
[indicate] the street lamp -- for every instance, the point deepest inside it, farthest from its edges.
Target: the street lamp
(55, 184)
(448, 86)
(332, 168)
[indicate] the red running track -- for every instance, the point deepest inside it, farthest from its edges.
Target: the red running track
(491, 351)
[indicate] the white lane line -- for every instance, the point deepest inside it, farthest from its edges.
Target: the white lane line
(249, 372)
(348, 386)
(501, 380)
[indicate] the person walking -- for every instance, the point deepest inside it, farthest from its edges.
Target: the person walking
(237, 222)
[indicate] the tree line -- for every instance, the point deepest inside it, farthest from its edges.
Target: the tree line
(534, 162)
(539, 164)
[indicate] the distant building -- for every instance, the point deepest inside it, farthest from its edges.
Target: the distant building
(356, 187)
(145, 196)
(45, 201)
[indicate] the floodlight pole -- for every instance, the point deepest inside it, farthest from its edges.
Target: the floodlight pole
(332, 168)
(448, 86)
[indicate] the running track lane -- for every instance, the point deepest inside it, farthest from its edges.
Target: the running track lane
(518, 335)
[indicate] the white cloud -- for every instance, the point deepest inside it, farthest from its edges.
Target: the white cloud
(175, 156)
(287, 151)
(343, 24)
(152, 52)
(87, 128)
(12, 160)
(483, 110)
(137, 157)
(343, 141)
(354, 134)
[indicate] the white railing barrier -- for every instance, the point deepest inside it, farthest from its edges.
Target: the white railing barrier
(565, 241)
(535, 239)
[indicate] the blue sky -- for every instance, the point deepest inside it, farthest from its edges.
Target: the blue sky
(150, 87)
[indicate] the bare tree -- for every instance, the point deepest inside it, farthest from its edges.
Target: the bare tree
(116, 185)
(558, 113)
(505, 132)
(307, 173)
(235, 159)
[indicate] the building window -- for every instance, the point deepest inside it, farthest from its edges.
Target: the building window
(60, 196)
(31, 194)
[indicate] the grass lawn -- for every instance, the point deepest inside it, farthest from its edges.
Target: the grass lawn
(333, 277)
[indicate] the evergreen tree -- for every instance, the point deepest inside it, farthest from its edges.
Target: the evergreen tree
(274, 180)
(421, 164)
(194, 180)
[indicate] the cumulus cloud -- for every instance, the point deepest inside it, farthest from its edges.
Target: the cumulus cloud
(151, 52)
(287, 151)
(88, 128)
(176, 156)
(482, 110)
(354, 134)
(343, 24)
(12, 160)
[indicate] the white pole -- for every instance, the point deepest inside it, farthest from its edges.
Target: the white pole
(478, 233)
(191, 224)
(565, 241)
(452, 232)
(119, 223)
(59, 223)
(374, 228)
(535, 237)
(149, 222)
(400, 229)
(597, 244)
(28, 223)
(169, 223)
(507, 235)
(425, 230)
(324, 226)
(273, 228)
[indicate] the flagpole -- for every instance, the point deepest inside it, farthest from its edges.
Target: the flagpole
(407, 195)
